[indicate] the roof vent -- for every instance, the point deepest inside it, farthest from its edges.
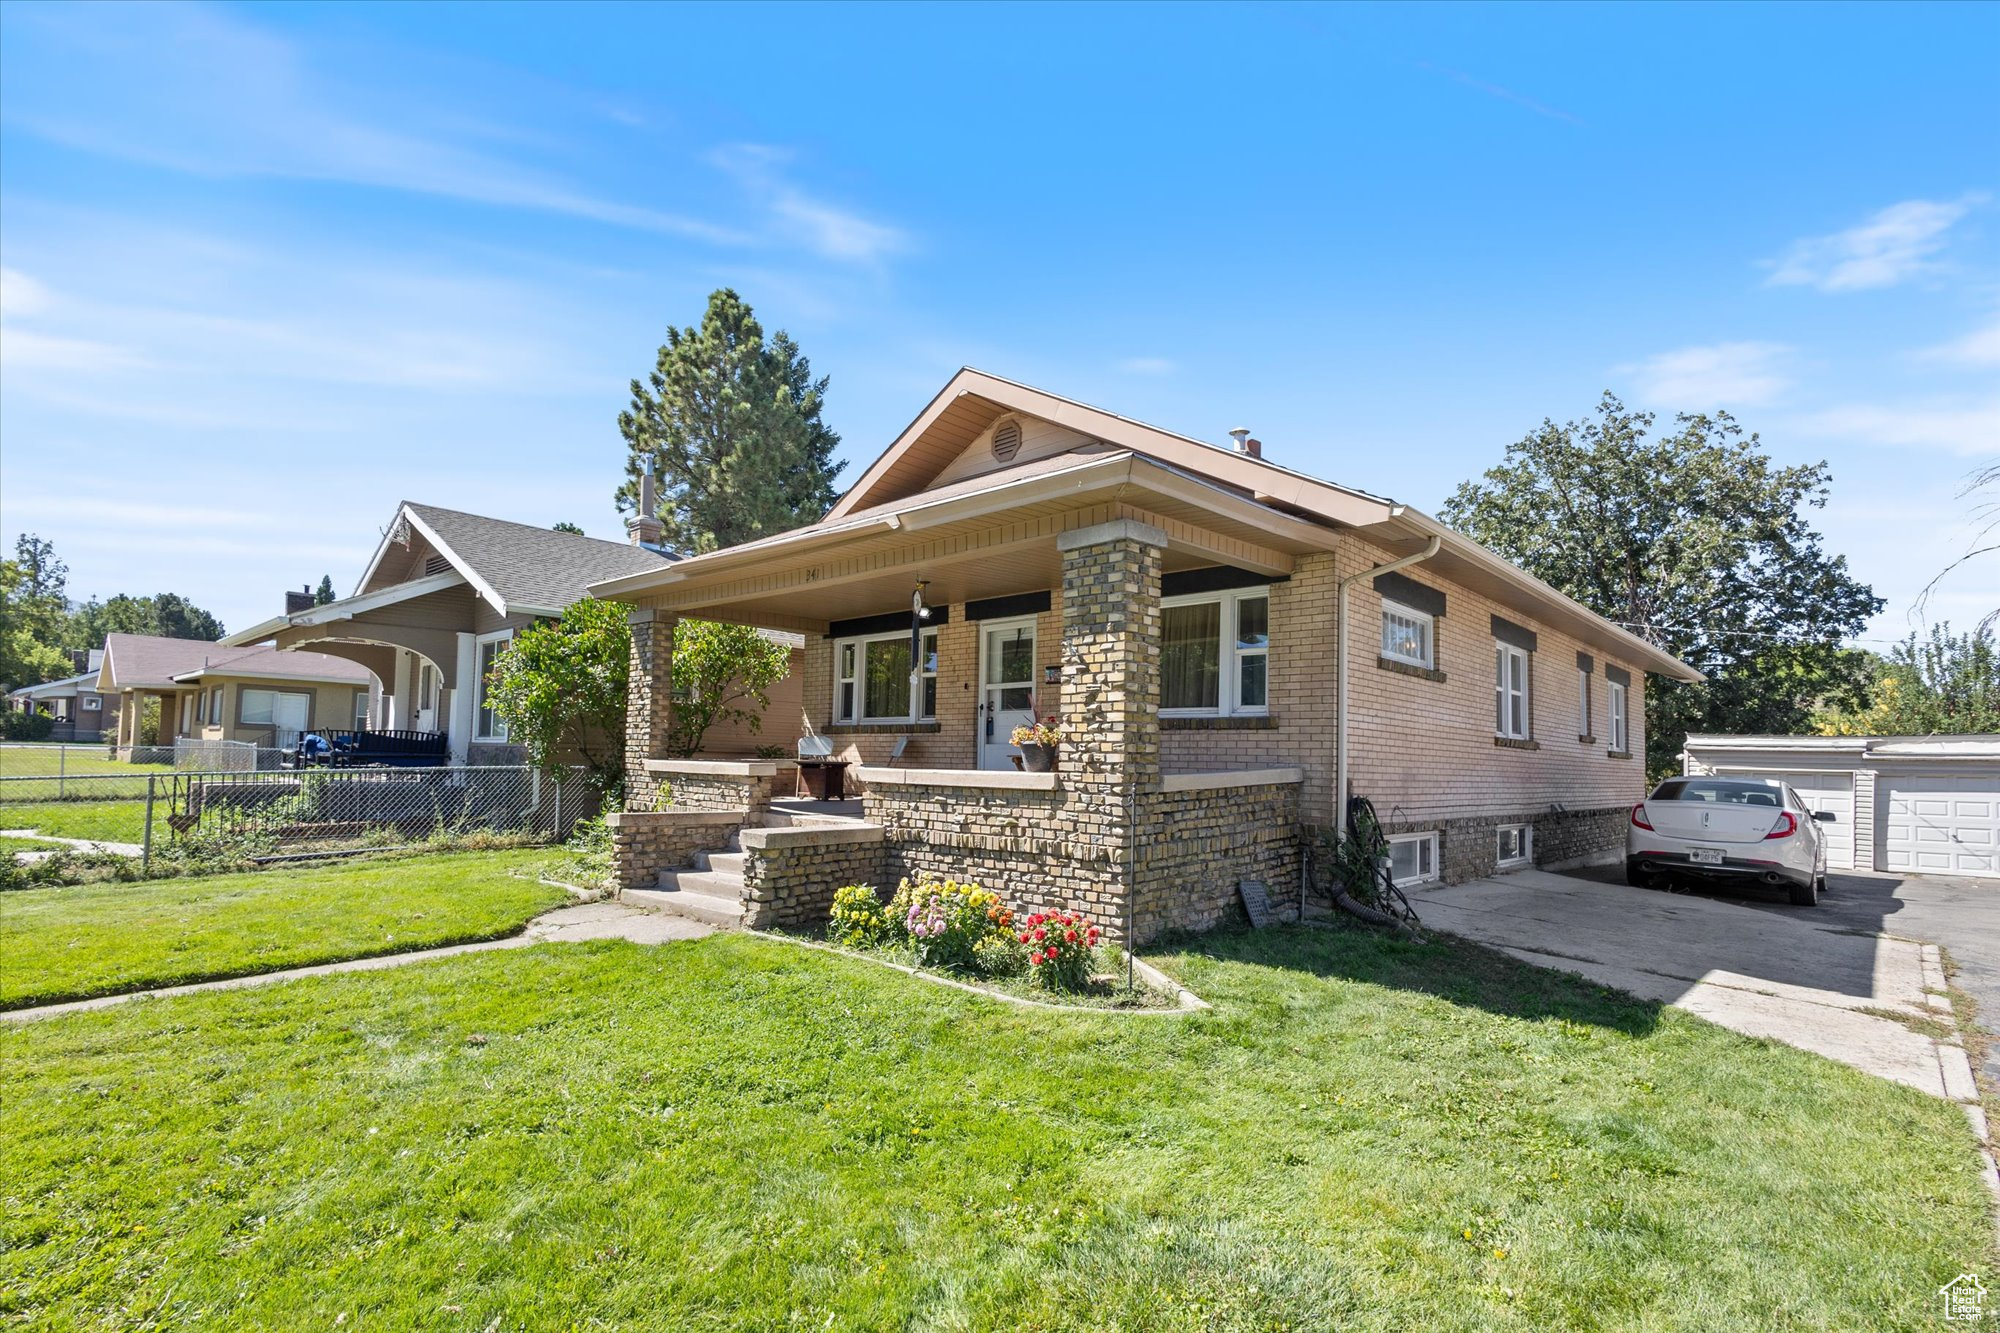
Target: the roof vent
(437, 564)
(1007, 440)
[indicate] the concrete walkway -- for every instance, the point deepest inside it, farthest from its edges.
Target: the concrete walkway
(585, 921)
(81, 844)
(1802, 977)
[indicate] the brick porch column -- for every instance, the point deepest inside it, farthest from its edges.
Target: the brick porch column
(1111, 699)
(648, 703)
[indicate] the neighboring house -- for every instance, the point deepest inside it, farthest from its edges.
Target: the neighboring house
(443, 596)
(222, 692)
(80, 713)
(1925, 805)
(1178, 604)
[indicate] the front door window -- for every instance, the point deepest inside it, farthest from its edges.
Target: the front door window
(1007, 688)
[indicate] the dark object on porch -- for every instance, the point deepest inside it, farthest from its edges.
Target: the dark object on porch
(377, 749)
(821, 776)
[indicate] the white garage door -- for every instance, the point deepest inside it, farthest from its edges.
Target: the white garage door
(1831, 792)
(1942, 826)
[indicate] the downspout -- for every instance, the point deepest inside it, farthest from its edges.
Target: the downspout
(1340, 678)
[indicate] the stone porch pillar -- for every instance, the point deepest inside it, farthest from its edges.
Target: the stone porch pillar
(1111, 699)
(648, 703)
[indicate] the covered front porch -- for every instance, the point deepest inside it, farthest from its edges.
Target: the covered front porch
(1133, 603)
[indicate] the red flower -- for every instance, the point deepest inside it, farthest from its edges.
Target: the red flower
(1041, 934)
(1035, 959)
(1024, 937)
(1070, 936)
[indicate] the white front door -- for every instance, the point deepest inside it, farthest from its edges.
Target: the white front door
(1006, 687)
(425, 716)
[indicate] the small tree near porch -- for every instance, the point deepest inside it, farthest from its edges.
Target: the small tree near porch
(722, 673)
(560, 686)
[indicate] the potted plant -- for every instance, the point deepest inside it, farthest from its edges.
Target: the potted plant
(1039, 742)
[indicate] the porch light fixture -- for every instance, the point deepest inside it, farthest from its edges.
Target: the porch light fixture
(919, 613)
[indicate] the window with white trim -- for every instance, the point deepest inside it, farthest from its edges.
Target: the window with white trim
(1406, 634)
(1413, 858)
(361, 710)
(1618, 738)
(1583, 702)
(215, 707)
(92, 703)
(488, 725)
(871, 679)
(283, 708)
(1215, 653)
(1510, 692)
(1515, 845)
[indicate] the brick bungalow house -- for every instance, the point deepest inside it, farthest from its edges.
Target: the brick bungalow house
(1201, 617)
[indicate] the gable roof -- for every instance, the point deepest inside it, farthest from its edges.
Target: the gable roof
(517, 567)
(146, 662)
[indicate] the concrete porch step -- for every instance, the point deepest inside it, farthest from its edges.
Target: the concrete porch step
(721, 863)
(689, 894)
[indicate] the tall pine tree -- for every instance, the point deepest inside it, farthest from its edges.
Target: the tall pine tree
(732, 425)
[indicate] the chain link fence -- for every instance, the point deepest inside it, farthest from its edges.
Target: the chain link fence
(312, 810)
(78, 772)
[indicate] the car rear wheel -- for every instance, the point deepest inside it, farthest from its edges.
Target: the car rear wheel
(1806, 894)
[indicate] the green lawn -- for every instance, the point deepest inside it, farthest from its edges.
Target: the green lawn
(1366, 1133)
(98, 939)
(32, 759)
(110, 821)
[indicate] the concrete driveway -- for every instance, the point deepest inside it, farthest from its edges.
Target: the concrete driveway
(1817, 979)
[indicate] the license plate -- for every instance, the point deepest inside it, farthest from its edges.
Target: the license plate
(1706, 856)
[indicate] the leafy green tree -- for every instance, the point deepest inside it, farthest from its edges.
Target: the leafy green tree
(571, 527)
(722, 673)
(1943, 685)
(324, 593)
(732, 425)
(560, 686)
(1698, 543)
(32, 613)
(167, 615)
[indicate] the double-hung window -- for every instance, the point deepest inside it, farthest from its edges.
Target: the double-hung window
(1619, 743)
(1510, 692)
(488, 725)
(1215, 653)
(871, 679)
(1406, 635)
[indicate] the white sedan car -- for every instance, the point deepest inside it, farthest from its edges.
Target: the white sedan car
(1729, 830)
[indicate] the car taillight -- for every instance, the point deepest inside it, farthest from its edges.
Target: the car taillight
(1785, 827)
(1639, 819)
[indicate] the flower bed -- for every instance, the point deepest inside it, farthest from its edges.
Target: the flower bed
(969, 932)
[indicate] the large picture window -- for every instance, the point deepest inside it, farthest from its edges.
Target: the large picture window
(1510, 692)
(488, 725)
(1215, 654)
(1406, 635)
(871, 679)
(283, 709)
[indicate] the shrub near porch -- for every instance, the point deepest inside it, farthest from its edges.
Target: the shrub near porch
(1365, 1133)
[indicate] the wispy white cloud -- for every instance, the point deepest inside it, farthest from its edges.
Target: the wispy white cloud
(825, 228)
(1737, 374)
(1893, 245)
(1981, 347)
(1971, 430)
(1146, 365)
(228, 98)
(1504, 94)
(21, 294)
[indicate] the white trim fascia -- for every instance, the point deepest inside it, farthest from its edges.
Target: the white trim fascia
(459, 562)
(257, 633)
(222, 671)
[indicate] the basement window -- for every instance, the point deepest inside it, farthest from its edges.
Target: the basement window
(1516, 844)
(1413, 858)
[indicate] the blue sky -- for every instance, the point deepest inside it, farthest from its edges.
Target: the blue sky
(269, 270)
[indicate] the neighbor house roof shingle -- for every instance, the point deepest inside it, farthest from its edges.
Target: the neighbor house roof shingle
(141, 661)
(531, 568)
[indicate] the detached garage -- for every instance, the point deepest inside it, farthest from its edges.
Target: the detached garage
(1915, 805)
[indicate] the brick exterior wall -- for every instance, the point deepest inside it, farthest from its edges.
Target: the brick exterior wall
(646, 842)
(648, 703)
(723, 791)
(1196, 846)
(790, 874)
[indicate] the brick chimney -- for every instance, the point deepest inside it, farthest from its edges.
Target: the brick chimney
(302, 600)
(644, 528)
